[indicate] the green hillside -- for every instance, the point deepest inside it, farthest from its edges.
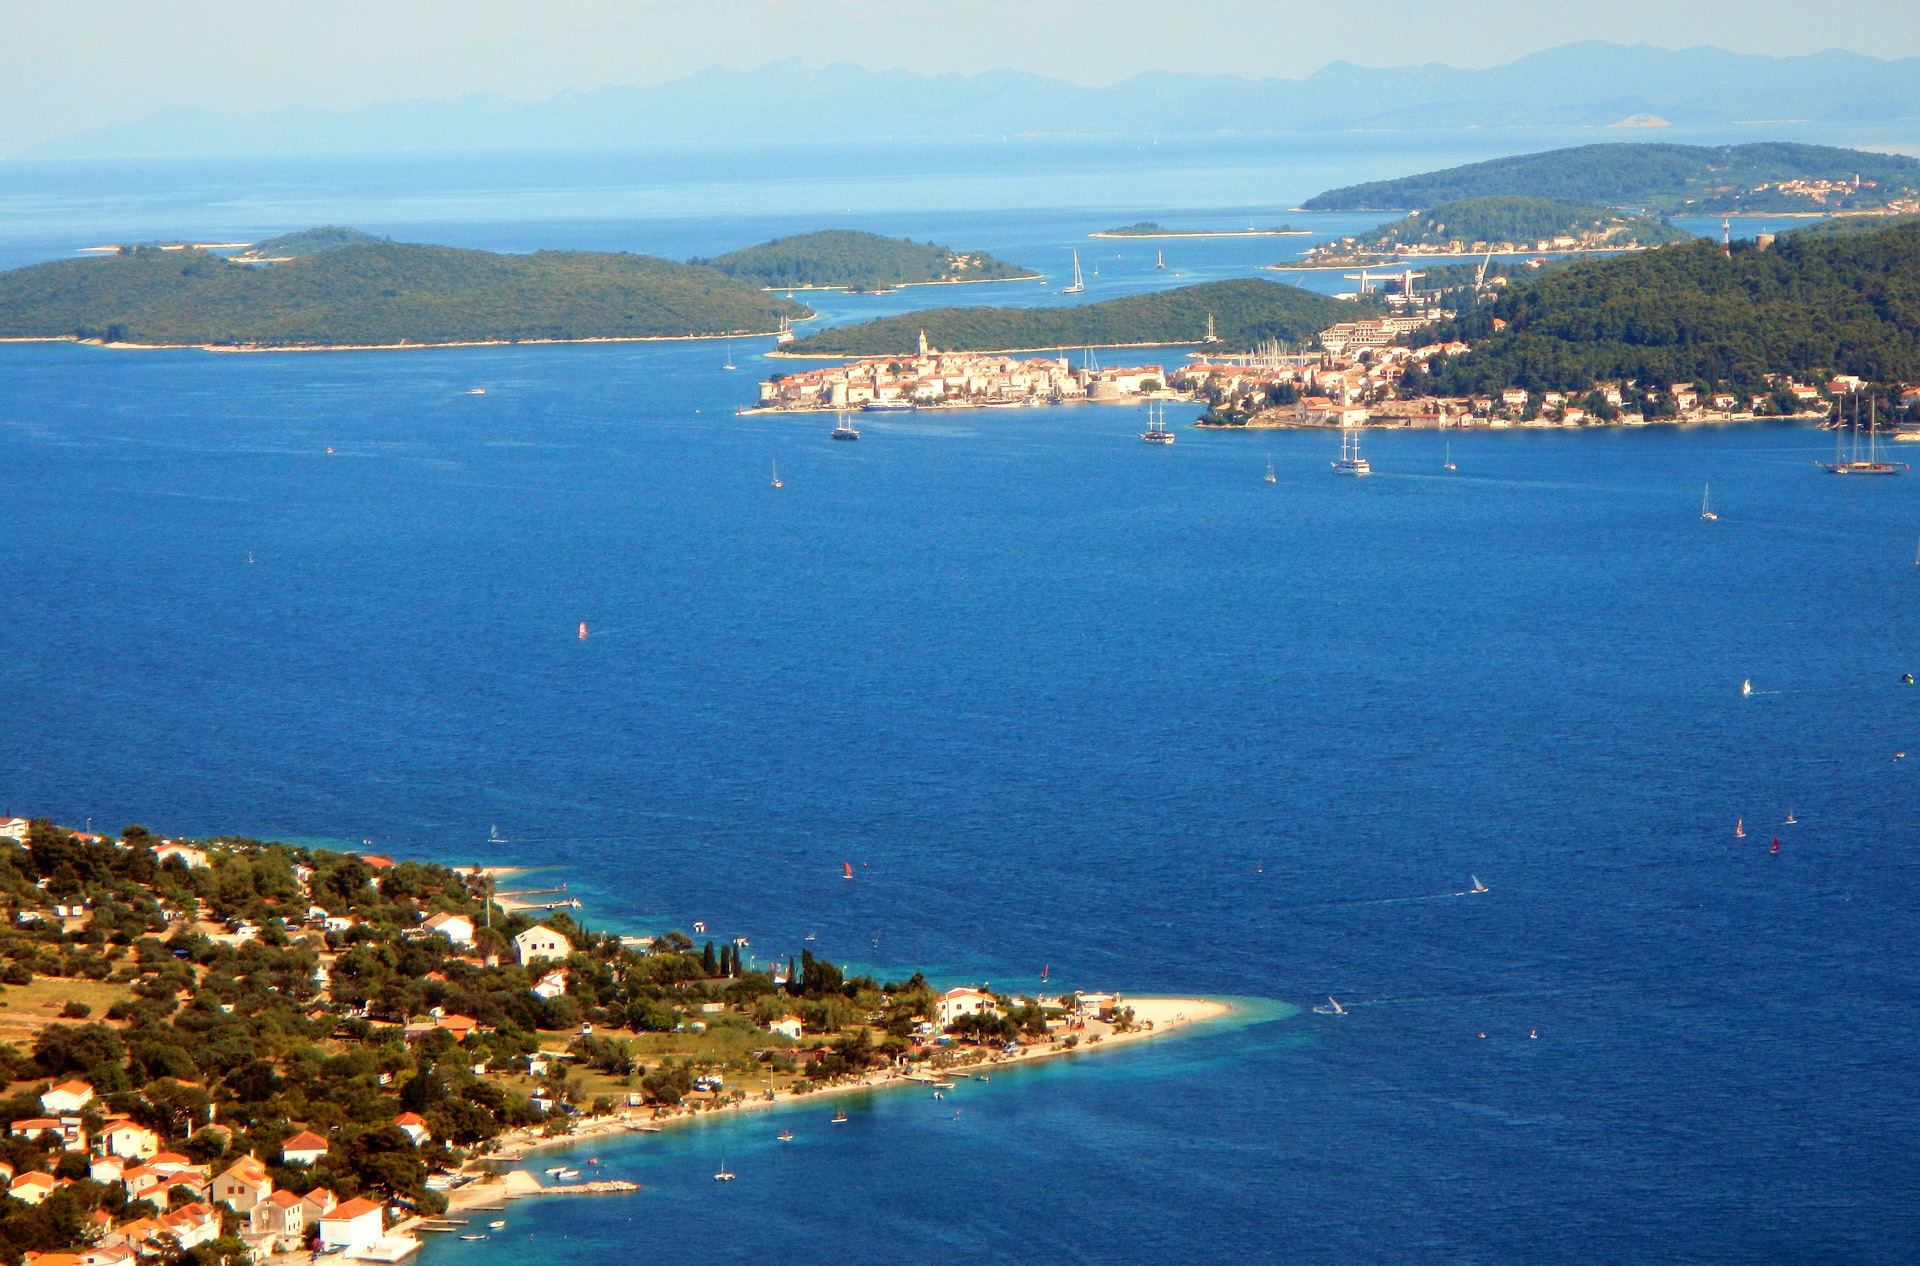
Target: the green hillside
(1244, 313)
(329, 237)
(1672, 179)
(1810, 305)
(1522, 221)
(856, 260)
(374, 294)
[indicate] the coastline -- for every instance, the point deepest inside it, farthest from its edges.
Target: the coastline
(961, 281)
(974, 351)
(251, 349)
(1167, 1016)
(1154, 237)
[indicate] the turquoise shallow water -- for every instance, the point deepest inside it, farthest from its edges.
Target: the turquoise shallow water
(1062, 700)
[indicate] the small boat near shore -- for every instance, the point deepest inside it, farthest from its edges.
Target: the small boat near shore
(840, 1117)
(498, 1224)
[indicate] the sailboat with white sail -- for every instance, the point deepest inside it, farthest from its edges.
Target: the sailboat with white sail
(1078, 284)
(1706, 508)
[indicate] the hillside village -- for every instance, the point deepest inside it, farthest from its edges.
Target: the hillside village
(308, 1050)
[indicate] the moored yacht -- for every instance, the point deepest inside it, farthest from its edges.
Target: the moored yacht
(1351, 463)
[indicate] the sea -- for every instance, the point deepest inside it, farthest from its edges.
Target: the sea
(1127, 716)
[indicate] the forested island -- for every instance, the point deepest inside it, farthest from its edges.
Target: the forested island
(201, 1034)
(1812, 302)
(1244, 314)
(847, 259)
(1766, 178)
(1503, 225)
(338, 288)
(1148, 228)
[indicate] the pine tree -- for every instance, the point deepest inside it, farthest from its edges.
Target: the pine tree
(707, 963)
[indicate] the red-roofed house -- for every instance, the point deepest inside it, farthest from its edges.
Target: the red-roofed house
(191, 1224)
(319, 1202)
(415, 1126)
(68, 1096)
(243, 1185)
(375, 861)
(303, 1148)
(32, 1187)
(459, 1025)
(355, 1224)
(282, 1216)
(132, 1141)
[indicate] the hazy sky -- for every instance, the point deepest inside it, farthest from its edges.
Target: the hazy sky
(67, 67)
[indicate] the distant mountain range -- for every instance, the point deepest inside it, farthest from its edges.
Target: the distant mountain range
(1588, 84)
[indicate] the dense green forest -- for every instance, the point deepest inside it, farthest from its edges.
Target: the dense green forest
(1244, 313)
(377, 293)
(1673, 179)
(856, 260)
(1521, 220)
(1809, 306)
(1849, 225)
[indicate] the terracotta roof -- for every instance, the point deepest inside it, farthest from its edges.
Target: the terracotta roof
(353, 1208)
(305, 1141)
(409, 1118)
(74, 1087)
(284, 1198)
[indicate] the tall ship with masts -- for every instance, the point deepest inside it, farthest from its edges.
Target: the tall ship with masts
(1351, 463)
(1851, 464)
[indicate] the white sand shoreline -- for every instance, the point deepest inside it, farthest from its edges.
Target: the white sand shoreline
(1165, 1015)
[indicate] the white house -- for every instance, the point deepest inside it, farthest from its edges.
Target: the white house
(551, 985)
(955, 1004)
(354, 1225)
(787, 1028)
(414, 1125)
(281, 1217)
(68, 1096)
(15, 829)
(193, 858)
(457, 928)
(32, 1187)
(540, 942)
(129, 1140)
(304, 1148)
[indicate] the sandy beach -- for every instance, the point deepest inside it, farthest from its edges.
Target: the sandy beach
(1154, 1017)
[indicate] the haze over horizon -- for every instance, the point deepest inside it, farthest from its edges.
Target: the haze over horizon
(64, 72)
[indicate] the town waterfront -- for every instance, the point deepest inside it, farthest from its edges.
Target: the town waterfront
(1063, 700)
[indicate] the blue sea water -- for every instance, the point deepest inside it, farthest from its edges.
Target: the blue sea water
(1062, 699)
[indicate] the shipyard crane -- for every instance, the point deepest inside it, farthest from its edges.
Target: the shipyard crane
(1480, 273)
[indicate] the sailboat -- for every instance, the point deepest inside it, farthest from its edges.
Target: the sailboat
(840, 1117)
(1270, 478)
(1477, 885)
(729, 364)
(1333, 1007)
(1873, 465)
(786, 1136)
(1078, 285)
(848, 866)
(776, 476)
(1746, 688)
(785, 333)
(724, 1175)
(1790, 819)
(1448, 464)
(583, 630)
(1706, 511)
(843, 431)
(1739, 828)
(1157, 432)
(1351, 463)
(496, 837)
